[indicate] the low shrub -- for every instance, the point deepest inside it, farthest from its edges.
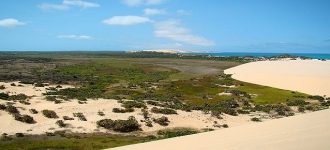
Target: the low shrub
(33, 111)
(163, 121)
(165, 111)
(100, 113)
(23, 118)
(316, 97)
(81, 116)
(243, 111)
(4, 96)
(119, 110)
(49, 113)
(131, 124)
(60, 123)
(12, 109)
(39, 84)
(296, 103)
(2, 107)
(19, 134)
(175, 133)
(255, 119)
(134, 104)
(67, 118)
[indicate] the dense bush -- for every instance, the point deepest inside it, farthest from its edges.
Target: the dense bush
(163, 111)
(80, 116)
(49, 113)
(39, 84)
(60, 123)
(133, 104)
(2, 107)
(119, 110)
(51, 98)
(19, 134)
(163, 121)
(2, 87)
(120, 125)
(243, 111)
(4, 96)
(18, 97)
(67, 118)
(296, 103)
(33, 111)
(255, 119)
(24, 118)
(173, 133)
(12, 109)
(316, 97)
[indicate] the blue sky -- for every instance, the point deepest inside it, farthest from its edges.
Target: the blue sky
(205, 26)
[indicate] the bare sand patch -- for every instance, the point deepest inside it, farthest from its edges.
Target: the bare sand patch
(307, 76)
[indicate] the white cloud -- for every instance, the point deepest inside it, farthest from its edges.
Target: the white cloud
(155, 2)
(66, 5)
(142, 2)
(182, 12)
(80, 3)
(126, 20)
(10, 23)
(81, 37)
(171, 29)
(132, 2)
(46, 7)
(150, 12)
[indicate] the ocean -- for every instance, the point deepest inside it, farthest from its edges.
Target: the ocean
(310, 55)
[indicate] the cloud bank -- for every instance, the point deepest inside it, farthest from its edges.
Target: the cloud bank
(81, 37)
(142, 2)
(150, 12)
(66, 5)
(126, 20)
(10, 23)
(171, 29)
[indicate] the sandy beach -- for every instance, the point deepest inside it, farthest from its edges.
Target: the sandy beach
(307, 76)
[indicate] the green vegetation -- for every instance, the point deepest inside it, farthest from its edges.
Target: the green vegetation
(129, 125)
(165, 111)
(170, 82)
(176, 132)
(49, 113)
(163, 121)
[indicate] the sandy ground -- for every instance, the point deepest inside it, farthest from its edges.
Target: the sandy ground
(307, 76)
(307, 131)
(194, 119)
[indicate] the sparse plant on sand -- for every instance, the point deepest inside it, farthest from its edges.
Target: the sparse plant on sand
(49, 113)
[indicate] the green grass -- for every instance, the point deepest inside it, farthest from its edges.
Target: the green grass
(85, 143)
(269, 95)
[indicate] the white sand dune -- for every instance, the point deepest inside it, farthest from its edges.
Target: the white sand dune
(307, 76)
(307, 131)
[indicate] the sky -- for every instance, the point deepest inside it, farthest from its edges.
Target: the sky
(295, 26)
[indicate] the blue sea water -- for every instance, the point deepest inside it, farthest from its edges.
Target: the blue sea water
(310, 55)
